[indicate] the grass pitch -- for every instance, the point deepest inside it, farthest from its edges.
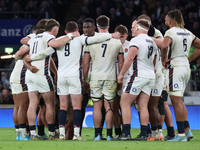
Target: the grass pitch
(8, 142)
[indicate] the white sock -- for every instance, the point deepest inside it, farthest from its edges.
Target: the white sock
(62, 131)
(154, 133)
(182, 134)
(160, 132)
(33, 132)
(52, 133)
(23, 132)
(18, 132)
(76, 131)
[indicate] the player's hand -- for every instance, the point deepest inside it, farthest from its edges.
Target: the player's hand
(116, 35)
(76, 34)
(3, 74)
(27, 58)
(166, 62)
(34, 69)
(119, 86)
(86, 87)
(120, 79)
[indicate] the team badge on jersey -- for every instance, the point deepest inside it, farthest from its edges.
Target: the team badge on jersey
(126, 50)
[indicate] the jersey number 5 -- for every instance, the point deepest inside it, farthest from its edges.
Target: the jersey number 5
(104, 51)
(185, 45)
(67, 52)
(150, 52)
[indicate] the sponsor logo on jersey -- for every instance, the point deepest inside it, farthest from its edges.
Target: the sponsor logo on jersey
(134, 90)
(176, 86)
(155, 91)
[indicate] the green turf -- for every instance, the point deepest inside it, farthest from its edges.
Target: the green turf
(7, 142)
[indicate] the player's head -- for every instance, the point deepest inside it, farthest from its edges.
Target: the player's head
(52, 26)
(88, 27)
(123, 32)
(142, 26)
(174, 18)
(41, 24)
(103, 22)
(34, 29)
(40, 31)
(71, 26)
(144, 16)
(133, 28)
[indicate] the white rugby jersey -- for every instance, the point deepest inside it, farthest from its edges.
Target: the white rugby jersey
(180, 46)
(142, 65)
(69, 55)
(18, 73)
(125, 50)
(38, 44)
(158, 66)
(104, 56)
(32, 35)
(157, 33)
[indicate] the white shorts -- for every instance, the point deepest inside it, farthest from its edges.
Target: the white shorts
(40, 83)
(119, 92)
(177, 79)
(138, 84)
(69, 85)
(18, 88)
(158, 87)
(98, 88)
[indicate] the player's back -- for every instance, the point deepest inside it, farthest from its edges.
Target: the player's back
(70, 58)
(37, 44)
(181, 43)
(104, 56)
(143, 62)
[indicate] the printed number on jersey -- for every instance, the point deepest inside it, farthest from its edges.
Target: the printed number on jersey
(67, 52)
(185, 45)
(150, 52)
(35, 44)
(104, 51)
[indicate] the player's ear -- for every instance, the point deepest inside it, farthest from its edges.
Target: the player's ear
(65, 31)
(94, 27)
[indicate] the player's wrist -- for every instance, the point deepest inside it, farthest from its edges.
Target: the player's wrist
(85, 80)
(70, 35)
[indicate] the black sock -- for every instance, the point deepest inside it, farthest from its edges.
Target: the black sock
(180, 126)
(40, 130)
(62, 117)
(159, 126)
(154, 128)
(51, 127)
(97, 131)
(22, 125)
(77, 115)
(109, 132)
(186, 124)
(27, 129)
(32, 128)
(56, 122)
(126, 129)
(118, 131)
(144, 130)
(170, 131)
(148, 129)
(16, 126)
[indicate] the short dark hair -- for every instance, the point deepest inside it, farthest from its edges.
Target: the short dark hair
(50, 24)
(144, 16)
(121, 29)
(41, 24)
(71, 26)
(102, 22)
(40, 31)
(89, 20)
(144, 23)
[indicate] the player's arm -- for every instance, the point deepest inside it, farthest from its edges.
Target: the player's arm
(28, 65)
(53, 69)
(86, 65)
(24, 40)
(127, 63)
(100, 38)
(196, 43)
(194, 55)
(21, 52)
(120, 61)
(158, 41)
(164, 49)
(62, 41)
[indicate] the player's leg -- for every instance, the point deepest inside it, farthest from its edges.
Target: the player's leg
(49, 98)
(69, 125)
(64, 103)
(76, 104)
(117, 116)
(15, 113)
(22, 113)
(33, 104)
(154, 117)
